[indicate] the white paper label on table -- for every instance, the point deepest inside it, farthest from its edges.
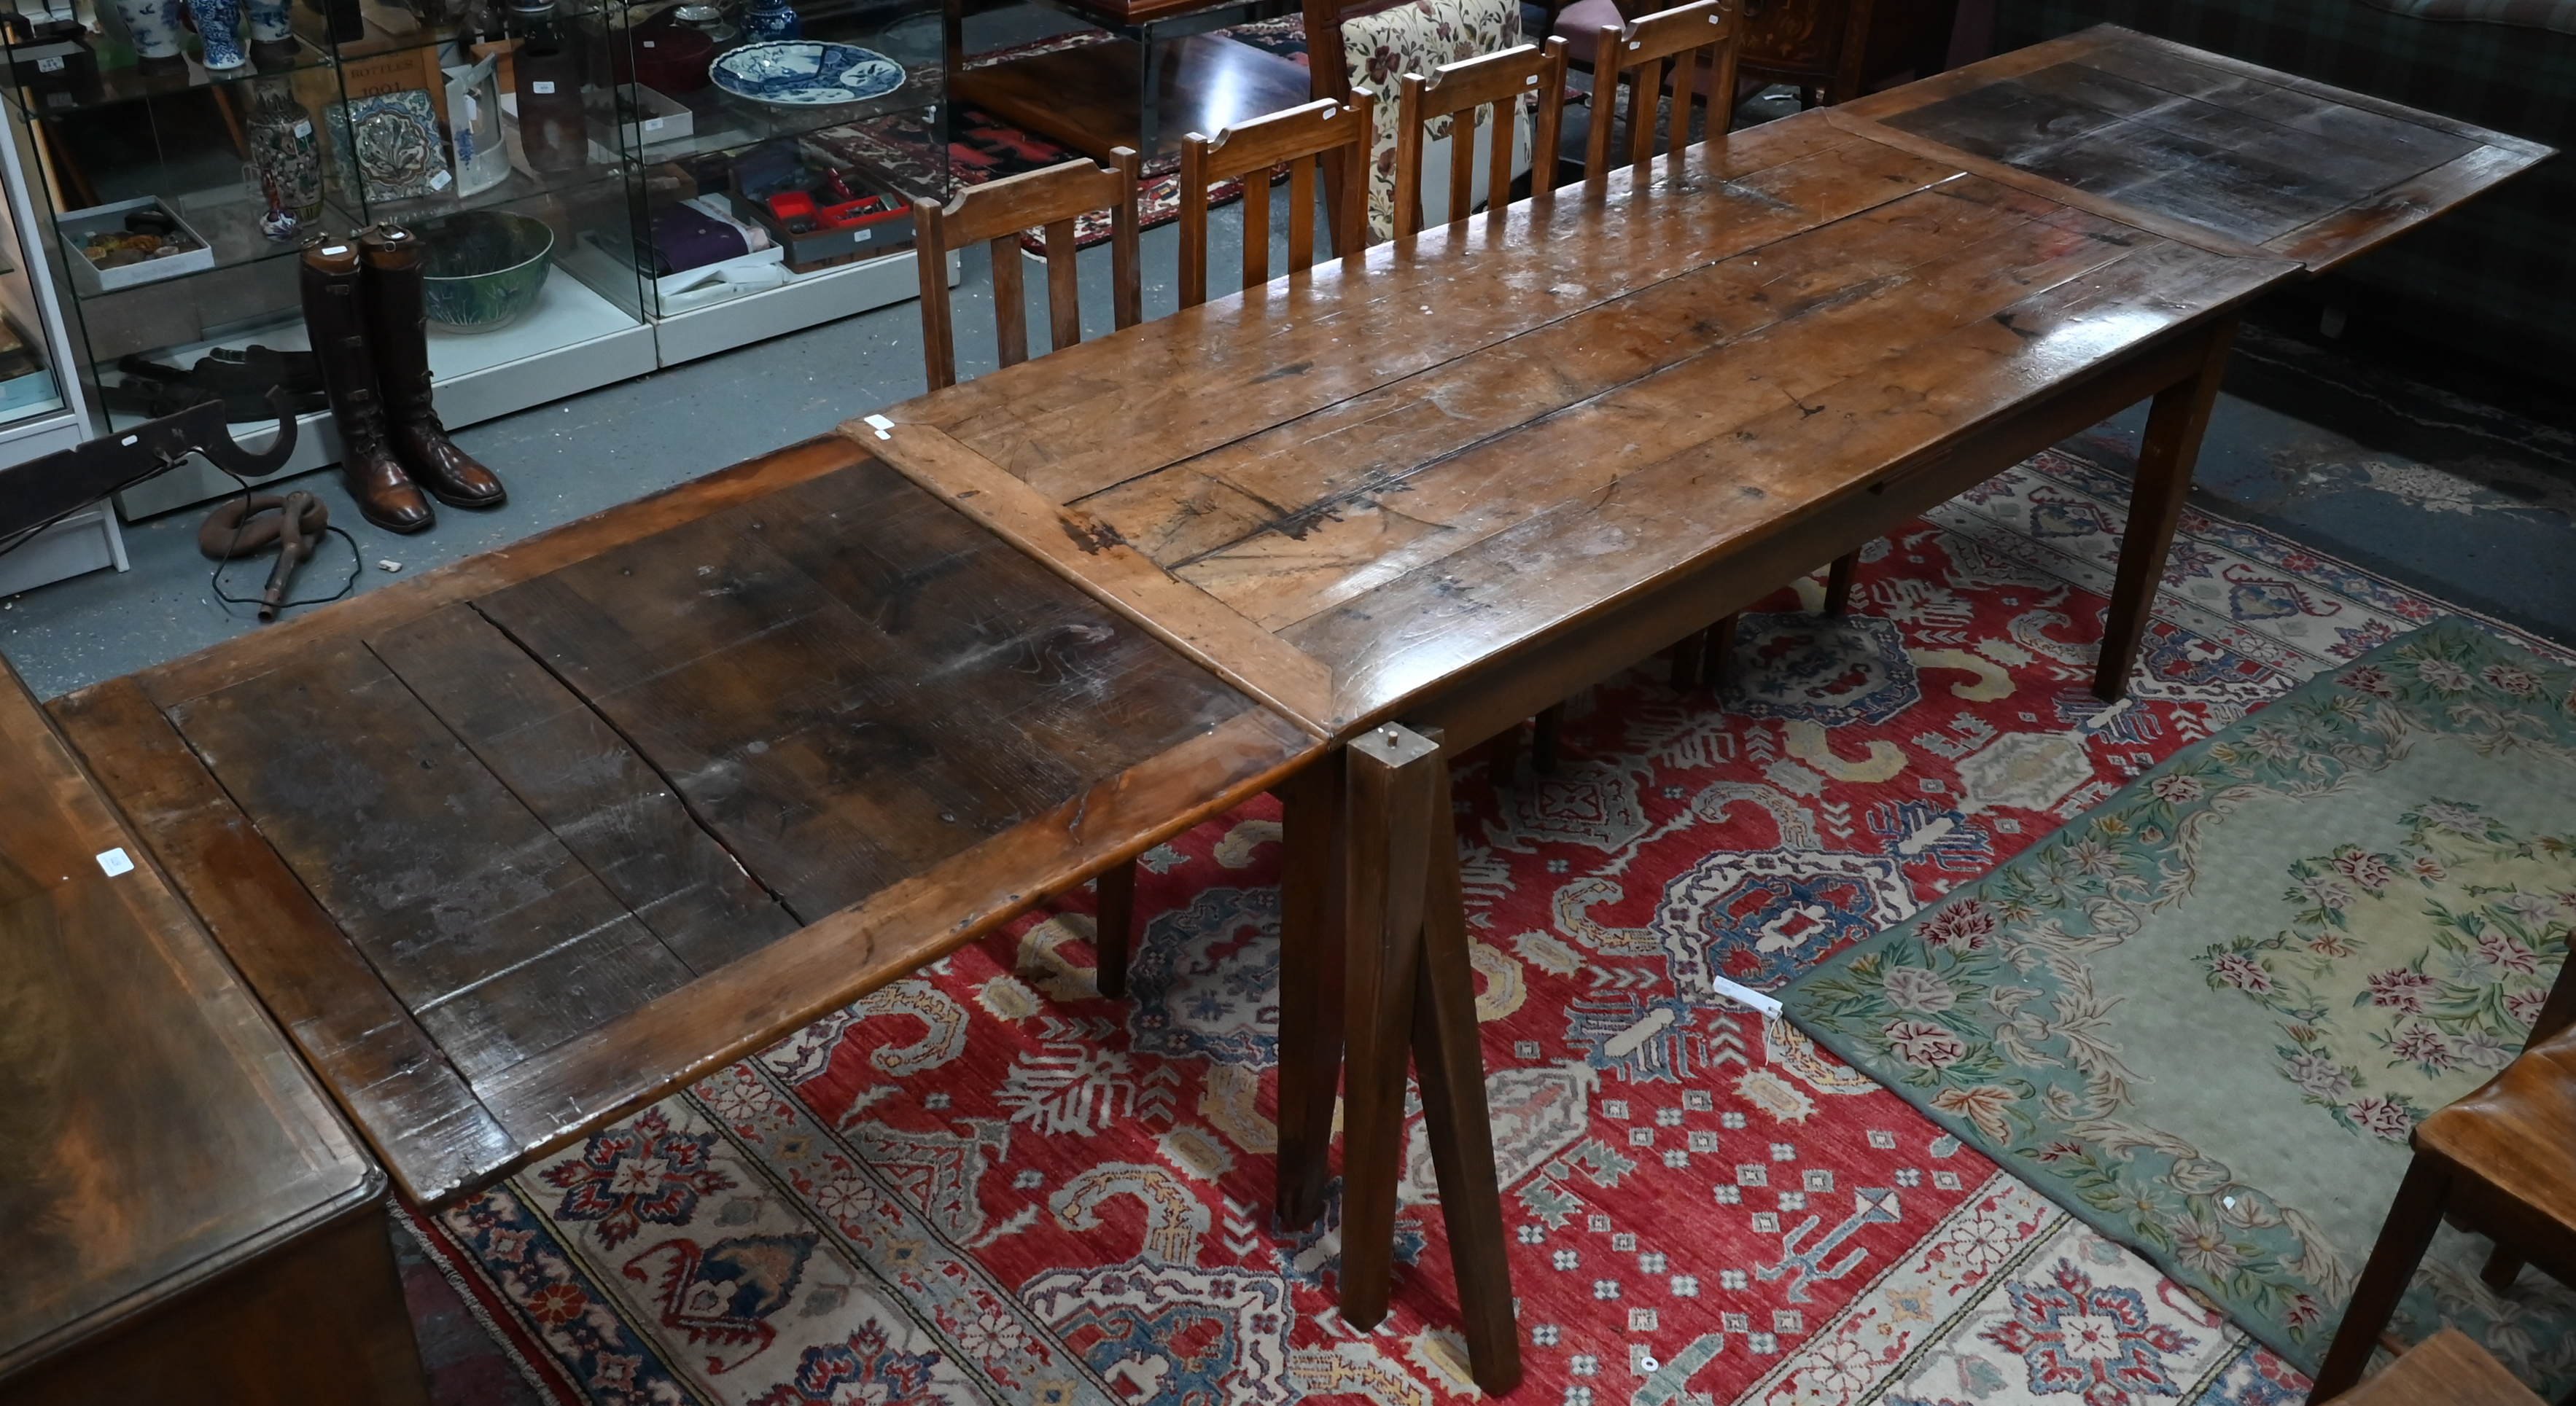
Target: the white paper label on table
(115, 861)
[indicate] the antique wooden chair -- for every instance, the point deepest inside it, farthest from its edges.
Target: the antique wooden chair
(1669, 48)
(1496, 83)
(2500, 1162)
(998, 213)
(1379, 41)
(1324, 134)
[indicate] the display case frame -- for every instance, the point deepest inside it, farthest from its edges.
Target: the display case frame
(35, 422)
(378, 85)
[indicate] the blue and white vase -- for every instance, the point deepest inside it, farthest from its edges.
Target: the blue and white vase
(153, 28)
(771, 19)
(219, 28)
(272, 30)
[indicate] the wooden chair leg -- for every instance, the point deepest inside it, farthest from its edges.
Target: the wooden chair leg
(1113, 927)
(1838, 583)
(2412, 1219)
(1456, 1122)
(1689, 659)
(1503, 756)
(1721, 649)
(2502, 1267)
(1310, 986)
(1391, 804)
(1545, 734)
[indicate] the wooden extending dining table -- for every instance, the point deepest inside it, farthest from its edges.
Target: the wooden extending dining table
(513, 849)
(1449, 481)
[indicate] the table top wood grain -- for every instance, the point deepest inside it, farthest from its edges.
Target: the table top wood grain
(520, 846)
(155, 1127)
(2195, 141)
(1411, 467)
(1481, 437)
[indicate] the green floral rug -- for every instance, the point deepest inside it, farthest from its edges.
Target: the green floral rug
(2205, 1015)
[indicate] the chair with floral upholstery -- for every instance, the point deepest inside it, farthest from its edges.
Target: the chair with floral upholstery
(1380, 43)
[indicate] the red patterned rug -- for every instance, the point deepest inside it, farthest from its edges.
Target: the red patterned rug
(988, 1184)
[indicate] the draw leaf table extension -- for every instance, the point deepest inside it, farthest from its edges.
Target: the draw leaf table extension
(515, 849)
(1449, 482)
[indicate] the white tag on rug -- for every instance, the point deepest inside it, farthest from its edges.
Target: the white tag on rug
(1746, 996)
(115, 862)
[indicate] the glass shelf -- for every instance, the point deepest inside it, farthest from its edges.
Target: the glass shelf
(126, 85)
(207, 148)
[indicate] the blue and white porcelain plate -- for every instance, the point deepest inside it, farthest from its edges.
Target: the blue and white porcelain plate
(805, 73)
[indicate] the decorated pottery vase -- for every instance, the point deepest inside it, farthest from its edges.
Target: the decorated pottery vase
(153, 28)
(771, 19)
(288, 154)
(272, 30)
(219, 28)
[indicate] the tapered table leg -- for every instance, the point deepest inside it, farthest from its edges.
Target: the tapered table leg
(1393, 774)
(1451, 1068)
(1310, 986)
(2175, 424)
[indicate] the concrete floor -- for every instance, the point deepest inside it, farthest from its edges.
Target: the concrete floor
(2463, 500)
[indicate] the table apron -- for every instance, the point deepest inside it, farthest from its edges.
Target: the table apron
(1497, 693)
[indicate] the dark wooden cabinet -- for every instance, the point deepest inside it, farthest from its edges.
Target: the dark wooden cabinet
(1840, 49)
(183, 1216)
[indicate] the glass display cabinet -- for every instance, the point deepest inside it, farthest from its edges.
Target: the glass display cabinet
(600, 187)
(775, 148)
(40, 411)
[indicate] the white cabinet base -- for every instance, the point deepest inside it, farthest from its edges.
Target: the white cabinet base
(806, 300)
(86, 541)
(573, 340)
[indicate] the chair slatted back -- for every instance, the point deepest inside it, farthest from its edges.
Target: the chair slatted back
(997, 213)
(1458, 91)
(1669, 42)
(1323, 136)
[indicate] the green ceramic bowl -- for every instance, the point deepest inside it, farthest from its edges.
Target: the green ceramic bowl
(481, 269)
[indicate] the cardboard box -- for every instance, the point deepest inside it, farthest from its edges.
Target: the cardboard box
(78, 225)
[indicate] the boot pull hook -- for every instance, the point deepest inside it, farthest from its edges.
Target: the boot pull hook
(203, 428)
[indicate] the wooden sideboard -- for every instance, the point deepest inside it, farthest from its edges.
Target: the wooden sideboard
(1839, 49)
(182, 1213)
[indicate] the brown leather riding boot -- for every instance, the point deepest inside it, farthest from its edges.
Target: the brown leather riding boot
(398, 335)
(329, 275)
